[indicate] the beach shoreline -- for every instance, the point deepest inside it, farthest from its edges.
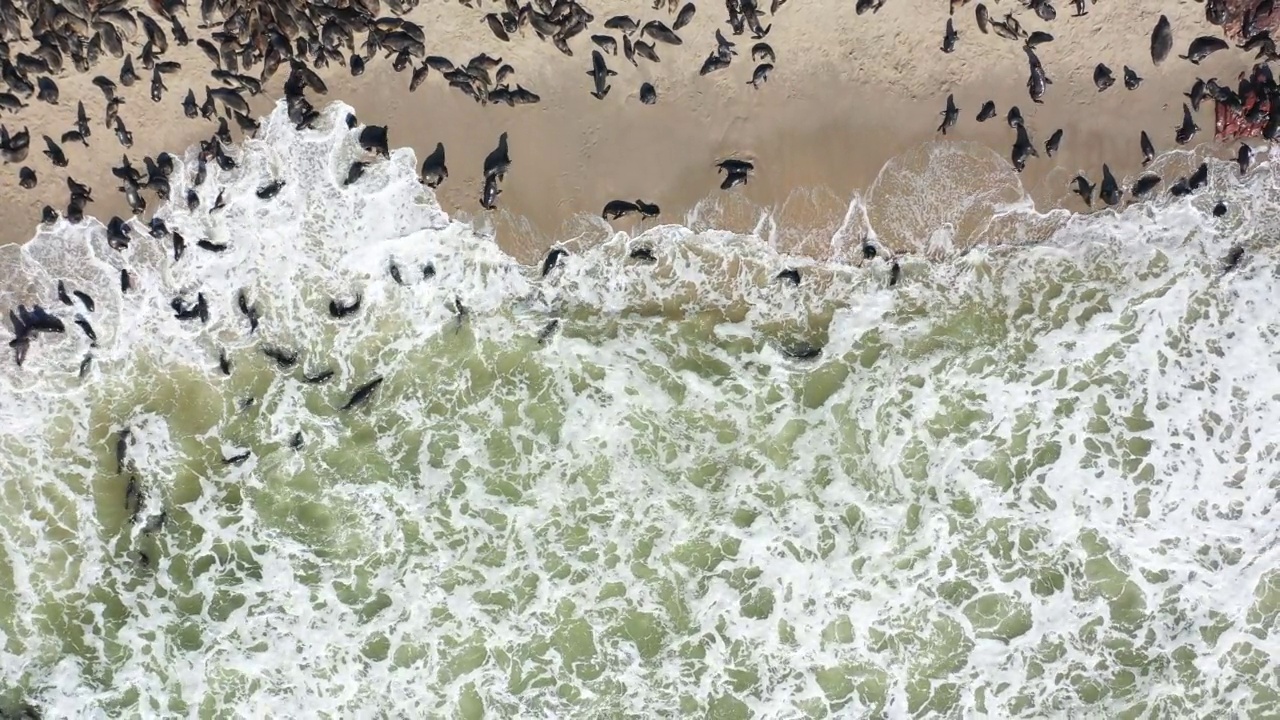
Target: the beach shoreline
(824, 129)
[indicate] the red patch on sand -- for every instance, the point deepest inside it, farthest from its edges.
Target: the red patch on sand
(1233, 123)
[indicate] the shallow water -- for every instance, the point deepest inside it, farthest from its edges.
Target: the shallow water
(1025, 482)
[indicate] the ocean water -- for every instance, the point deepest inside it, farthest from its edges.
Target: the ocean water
(1036, 481)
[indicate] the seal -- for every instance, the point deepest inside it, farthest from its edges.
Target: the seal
(949, 115)
(622, 22)
(374, 139)
(615, 209)
(498, 161)
(1083, 189)
(249, 311)
(1110, 192)
(270, 190)
(1022, 149)
(434, 171)
(735, 165)
(341, 310)
(1102, 77)
(606, 43)
(1188, 129)
(1200, 177)
(200, 310)
(658, 30)
(362, 394)
(685, 16)
(1233, 258)
(84, 298)
(760, 74)
(1051, 145)
(355, 172)
(1202, 47)
(1244, 157)
(122, 448)
(489, 195)
(552, 260)
(982, 17)
(733, 179)
(544, 335)
(237, 459)
(1196, 94)
(647, 209)
(284, 358)
(1144, 185)
(1131, 79)
(600, 74)
(949, 37)
(317, 378)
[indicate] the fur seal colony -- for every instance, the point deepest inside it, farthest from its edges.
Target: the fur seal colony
(235, 52)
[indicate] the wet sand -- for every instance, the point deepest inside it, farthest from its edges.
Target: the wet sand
(849, 94)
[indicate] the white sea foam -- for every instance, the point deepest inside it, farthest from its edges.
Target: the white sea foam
(1027, 482)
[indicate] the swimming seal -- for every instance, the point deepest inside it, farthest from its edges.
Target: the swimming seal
(1244, 157)
(1145, 185)
(552, 260)
(374, 139)
(341, 310)
(284, 358)
(362, 393)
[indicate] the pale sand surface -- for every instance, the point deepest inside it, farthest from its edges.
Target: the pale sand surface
(849, 94)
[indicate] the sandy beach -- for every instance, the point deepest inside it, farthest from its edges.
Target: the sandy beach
(849, 94)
